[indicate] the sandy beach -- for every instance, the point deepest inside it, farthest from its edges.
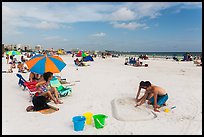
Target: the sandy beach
(101, 85)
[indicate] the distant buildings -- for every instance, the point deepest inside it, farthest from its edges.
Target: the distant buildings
(17, 47)
(8, 47)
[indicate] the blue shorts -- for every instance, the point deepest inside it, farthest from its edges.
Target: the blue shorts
(160, 99)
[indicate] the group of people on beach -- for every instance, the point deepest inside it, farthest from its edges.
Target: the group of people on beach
(134, 62)
(79, 62)
(45, 92)
(12, 61)
(154, 95)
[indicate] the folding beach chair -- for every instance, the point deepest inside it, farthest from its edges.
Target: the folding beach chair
(63, 91)
(21, 80)
(27, 85)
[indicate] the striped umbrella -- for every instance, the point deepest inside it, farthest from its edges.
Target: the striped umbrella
(13, 53)
(45, 63)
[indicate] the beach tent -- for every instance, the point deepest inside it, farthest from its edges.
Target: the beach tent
(60, 51)
(81, 54)
(88, 58)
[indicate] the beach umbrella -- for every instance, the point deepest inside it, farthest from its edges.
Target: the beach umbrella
(83, 54)
(13, 53)
(79, 54)
(45, 63)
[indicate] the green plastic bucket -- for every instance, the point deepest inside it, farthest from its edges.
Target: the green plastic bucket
(99, 120)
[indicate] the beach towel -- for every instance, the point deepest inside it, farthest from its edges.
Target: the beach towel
(47, 111)
(124, 109)
(50, 110)
(40, 105)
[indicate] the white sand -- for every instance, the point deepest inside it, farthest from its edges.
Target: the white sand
(101, 83)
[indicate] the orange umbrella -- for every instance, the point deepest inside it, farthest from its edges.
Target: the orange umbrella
(45, 63)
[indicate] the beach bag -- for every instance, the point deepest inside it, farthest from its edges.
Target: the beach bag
(39, 103)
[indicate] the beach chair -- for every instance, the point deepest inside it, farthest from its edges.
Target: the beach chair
(30, 86)
(63, 91)
(21, 80)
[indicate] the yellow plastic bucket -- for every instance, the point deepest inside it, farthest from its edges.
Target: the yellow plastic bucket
(88, 116)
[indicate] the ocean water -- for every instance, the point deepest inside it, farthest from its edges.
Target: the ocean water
(162, 54)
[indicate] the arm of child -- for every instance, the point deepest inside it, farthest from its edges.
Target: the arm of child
(155, 102)
(142, 99)
(40, 83)
(138, 93)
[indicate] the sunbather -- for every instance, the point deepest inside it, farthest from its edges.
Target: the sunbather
(34, 77)
(155, 95)
(13, 64)
(79, 63)
(10, 69)
(45, 88)
(21, 67)
(140, 64)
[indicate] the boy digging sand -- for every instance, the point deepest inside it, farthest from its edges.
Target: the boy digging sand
(155, 95)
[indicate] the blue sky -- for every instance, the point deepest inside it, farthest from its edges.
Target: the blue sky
(121, 26)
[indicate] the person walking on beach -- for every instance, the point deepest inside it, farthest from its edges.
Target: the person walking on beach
(7, 58)
(155, 95)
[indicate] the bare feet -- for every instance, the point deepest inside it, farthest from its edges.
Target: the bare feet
(59, 102)
(55, 101)
(156, 110)
(149, 103)
(30, 108)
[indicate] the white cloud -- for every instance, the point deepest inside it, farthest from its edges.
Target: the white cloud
(47, 25)
(192, 4)
(100, 34)
(55, 39)
(52, 15)
(130, 25)
(122, 14)
(51, 37)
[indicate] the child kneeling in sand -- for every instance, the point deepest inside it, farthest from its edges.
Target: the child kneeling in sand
(155, 95)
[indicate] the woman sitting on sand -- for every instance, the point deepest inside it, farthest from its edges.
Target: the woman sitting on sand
(198, 61)
(139, 64)
(155, 95)
(44, 88)
(79, 63)
(10, 69)
(21, 67)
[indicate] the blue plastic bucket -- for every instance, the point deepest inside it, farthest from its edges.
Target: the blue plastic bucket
(79, 122)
